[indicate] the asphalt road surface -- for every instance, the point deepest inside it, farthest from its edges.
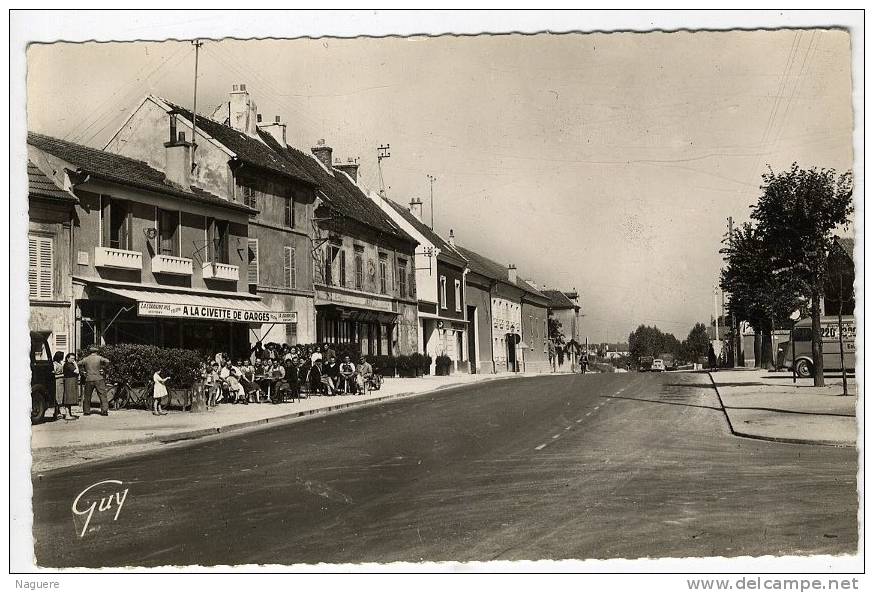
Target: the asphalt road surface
(596, 466)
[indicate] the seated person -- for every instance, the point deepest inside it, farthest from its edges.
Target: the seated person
(365, 374)
(291, 377)
(314, 378)
(332, 374)
(347, 375)
(278, 384)
(235, 385)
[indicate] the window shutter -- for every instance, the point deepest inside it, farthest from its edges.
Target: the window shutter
(254, 263)
(61, 342)
(33, 266)
(289, 268)
(40, 273)
(46, 268)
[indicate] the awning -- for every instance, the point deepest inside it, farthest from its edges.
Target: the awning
(180, 305)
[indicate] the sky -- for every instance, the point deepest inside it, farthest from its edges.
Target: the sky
(605, 162)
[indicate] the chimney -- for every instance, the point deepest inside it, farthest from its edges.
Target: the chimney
(511, 274)
(323, 153)
(177, 165)
(242, 111)
(350, 168)
(275, 129)
(451, 238)
(416, 208)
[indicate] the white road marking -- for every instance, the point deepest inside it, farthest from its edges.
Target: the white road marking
(580, 420)
(539, 447)
(555, 436)
(588, 414)
(567, 427)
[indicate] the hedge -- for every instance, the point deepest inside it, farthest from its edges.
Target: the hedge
(135, 364)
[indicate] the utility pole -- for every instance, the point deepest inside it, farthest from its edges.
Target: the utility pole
(432, 179)
(382, 152)
(716, 312)
(197, 43)
(737, 345)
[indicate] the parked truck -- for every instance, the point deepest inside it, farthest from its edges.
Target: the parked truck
(42, 377)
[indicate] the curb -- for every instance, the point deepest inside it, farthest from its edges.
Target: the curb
(214, 430)
(759, 437)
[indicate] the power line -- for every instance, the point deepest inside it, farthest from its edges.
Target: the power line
(106, 106)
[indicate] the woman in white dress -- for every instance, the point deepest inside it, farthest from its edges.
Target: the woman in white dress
(159, 392)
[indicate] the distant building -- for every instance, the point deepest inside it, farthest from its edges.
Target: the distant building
(566, 311)
(509, 317)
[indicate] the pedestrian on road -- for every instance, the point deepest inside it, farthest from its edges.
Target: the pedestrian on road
(93, 365)
(711, 357)
(159, 392)
(70, 395)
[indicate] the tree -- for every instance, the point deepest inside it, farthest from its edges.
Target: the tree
(651, 341)
(759, 292)
(696, 343)
(797, 215)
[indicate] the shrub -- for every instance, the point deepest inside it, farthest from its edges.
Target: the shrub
(426, 364)
(136, 363)
(443, 364)
(383, 364)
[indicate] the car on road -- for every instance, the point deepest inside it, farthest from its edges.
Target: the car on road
(645, 364)
(669, 361)
(42, 377)
(658, 366)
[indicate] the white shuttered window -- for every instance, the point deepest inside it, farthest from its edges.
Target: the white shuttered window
(290, 273)
(41, 267)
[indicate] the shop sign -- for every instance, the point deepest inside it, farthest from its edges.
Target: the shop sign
(192, 311)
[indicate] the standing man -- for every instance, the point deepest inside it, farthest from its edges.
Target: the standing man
(93, 365)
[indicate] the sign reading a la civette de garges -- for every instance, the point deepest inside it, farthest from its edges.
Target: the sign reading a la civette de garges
(184, 311)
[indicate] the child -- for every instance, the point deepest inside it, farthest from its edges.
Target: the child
(159, 392)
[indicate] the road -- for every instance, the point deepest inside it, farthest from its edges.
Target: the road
(570, 466)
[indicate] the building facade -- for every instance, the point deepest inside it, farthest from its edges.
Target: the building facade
(363, 264)
(231, 160)
(440, 277)
(153, 259)
(564, 308)
(515, 338)
(49, 241)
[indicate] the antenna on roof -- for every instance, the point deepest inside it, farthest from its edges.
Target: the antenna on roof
(382, 152)
(196, 43)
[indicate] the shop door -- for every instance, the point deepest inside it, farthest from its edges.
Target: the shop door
(471, 338)
(511, 353)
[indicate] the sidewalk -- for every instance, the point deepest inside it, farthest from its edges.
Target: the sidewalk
(769, 406)
(61, 443)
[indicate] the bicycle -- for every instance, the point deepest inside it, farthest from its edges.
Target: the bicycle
(123, 396)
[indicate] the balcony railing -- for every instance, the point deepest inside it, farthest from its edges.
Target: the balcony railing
(217, 271)
(170, 264)
(108, 257)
